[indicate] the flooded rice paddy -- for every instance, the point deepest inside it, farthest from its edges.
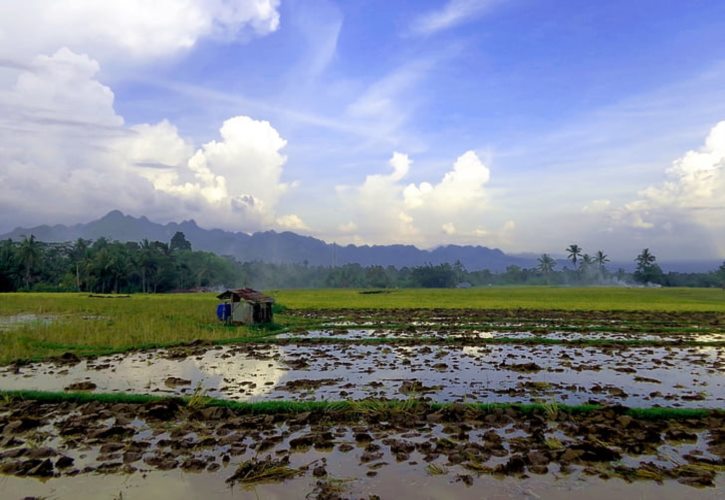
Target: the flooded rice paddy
(641, 376)
(476, 334)
(112, 450)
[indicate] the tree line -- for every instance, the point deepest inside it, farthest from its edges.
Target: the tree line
(589, 269)
(104, 266)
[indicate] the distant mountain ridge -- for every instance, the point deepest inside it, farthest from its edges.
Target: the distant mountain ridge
(271, 246)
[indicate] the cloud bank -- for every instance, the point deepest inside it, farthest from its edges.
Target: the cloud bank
(386, 209)
(62, 143)
(134, 29)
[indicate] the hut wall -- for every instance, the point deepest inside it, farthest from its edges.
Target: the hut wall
(243, 313)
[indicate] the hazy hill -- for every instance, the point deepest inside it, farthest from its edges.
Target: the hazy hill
(271, 246)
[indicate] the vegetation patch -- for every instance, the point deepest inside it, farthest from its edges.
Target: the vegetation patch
(358, 407)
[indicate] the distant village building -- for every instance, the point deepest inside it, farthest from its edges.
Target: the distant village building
(245, 306)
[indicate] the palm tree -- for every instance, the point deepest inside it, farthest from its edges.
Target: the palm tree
(575, 252)
(586, 262)
(601, 259)
(647, 271)
(546, 264)
(29, 252)
(645, 259)
(78, 254)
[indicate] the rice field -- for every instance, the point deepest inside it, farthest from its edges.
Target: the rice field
(366, 393)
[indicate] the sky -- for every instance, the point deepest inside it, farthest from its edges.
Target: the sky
(526, 125)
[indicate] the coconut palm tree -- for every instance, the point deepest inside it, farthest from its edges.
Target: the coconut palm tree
(78, 255)
(601, 259)
(546, 264)
(586, 262)
(575, 252)
(30, 254)
(647, 271)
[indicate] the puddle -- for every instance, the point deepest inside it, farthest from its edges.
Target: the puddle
(393, 483)
(8, 323)
(647, 376)
(372, 333)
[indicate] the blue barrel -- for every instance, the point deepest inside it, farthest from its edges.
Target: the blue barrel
(221, 312)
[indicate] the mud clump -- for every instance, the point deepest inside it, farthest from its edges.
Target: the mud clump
(81, 386)
(173, 382)
(308, 384)
(416, 387)
(523, 367)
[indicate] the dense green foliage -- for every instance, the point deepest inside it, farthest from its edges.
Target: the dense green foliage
(105, 266)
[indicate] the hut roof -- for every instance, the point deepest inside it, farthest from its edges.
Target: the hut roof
(246, 294)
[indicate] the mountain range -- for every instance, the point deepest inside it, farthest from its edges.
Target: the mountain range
(271, 246)
(289, 247)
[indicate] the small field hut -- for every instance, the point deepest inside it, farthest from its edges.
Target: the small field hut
(245, 306)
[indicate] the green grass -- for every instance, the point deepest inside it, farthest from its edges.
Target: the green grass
(526, 297)
(360, 407)
(97, 326)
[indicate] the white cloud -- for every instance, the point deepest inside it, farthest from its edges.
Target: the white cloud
(291, 222)
(685, 213)
(348, 227)
(596, 206)
(59, 90)
(385, 105)
(694, 188)
(448, 228)
(129, 28)
(460, 189)
(453, 13)
(62, 142)
(387, 210)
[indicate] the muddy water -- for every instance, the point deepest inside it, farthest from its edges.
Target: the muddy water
(371, 333)
(649, 376)
(390, 483)
(391, 457)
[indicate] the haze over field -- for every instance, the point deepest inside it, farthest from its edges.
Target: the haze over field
(524, 125)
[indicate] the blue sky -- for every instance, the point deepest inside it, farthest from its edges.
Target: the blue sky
(521, 124)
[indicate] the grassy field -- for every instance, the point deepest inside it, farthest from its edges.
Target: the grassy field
(92, 326)
(530, 297)
(95, 326)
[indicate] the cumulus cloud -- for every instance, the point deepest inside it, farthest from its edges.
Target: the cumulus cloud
(688, 206)
(292, 222)
(62, 142)
(694, 188)
(596, 207)
(135, 28)
(460, 189)
(386, 209)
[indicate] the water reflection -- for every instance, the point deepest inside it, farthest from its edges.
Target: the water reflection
(521, 373)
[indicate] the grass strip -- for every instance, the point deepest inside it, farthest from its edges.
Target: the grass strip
(366, 406)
